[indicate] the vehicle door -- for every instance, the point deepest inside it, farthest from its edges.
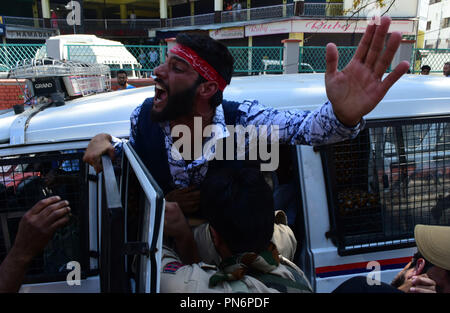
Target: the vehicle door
(132, 215)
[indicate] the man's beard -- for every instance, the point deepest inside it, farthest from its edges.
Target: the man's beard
(398, 281)
(178, 104)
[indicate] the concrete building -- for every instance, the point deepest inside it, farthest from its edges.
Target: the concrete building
(437, 33)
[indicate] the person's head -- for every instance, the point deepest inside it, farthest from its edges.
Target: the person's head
(432, 257)
(122, 79)
(238, 205)
(192, 78)
(447, 69)
(425, 70)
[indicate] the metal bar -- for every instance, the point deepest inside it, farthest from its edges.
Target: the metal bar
(5, 231)
(113, 276)
(113, 200)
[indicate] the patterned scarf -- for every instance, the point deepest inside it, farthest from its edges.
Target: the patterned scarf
(236, 266)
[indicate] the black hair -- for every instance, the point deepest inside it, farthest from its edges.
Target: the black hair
(213, 52)
(238, 204)
(122, 72)
(426, 67)
(426, 267)
(418, 256)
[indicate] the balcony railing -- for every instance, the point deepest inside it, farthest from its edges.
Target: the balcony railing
(23, 21)
(140, 26)
(275, 11)
(202, 19)
(91, 26)
(323, 9)
(285, 10)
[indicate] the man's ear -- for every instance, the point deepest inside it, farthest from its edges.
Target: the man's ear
(208, 89)
(418, 269)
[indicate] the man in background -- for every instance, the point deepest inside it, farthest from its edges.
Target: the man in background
(447, 69)
(430, 266)
(425, 70)
(122, 80)
(427, 272)
(229, 257)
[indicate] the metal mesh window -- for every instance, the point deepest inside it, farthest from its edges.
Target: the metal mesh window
(390, 178)
(26, 179)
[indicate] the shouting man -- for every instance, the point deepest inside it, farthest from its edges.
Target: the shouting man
(190, 85)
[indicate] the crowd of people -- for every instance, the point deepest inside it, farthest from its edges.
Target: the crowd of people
(214, 208)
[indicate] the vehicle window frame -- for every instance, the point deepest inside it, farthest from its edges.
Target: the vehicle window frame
(28, 155)
(336, 233)
(152, 213)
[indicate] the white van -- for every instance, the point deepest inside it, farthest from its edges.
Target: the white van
(91, 49)
(352, 205)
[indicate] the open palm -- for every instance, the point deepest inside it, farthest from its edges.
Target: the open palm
(358, 88)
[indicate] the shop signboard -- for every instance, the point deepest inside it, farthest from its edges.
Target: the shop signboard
(268, 28)
(227, 33)
(29, 33)
(406, 27)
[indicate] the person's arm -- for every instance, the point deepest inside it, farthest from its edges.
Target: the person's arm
(36, 228)
(176, 226)
(12, 271)
(99, 145)
(177, 277)
(296, 127)
(106, 144)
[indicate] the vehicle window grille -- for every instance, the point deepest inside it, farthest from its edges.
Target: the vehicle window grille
(391, 177)
(26, 179)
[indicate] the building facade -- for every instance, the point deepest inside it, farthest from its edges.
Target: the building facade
(437, 34)
(235, 22)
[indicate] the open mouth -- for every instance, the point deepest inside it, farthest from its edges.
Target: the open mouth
(160, 96)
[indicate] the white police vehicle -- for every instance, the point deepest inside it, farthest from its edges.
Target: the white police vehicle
(349, 203)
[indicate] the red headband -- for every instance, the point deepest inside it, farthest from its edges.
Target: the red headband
(200, 66)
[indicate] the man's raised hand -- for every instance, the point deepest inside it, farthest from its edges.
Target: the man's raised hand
(358, 88)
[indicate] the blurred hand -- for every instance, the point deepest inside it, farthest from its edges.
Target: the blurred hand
(419, 284)
(37, 226)
(422, 284)
(187, 198)
(358, 88)
(98, 146)
(175, 224)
